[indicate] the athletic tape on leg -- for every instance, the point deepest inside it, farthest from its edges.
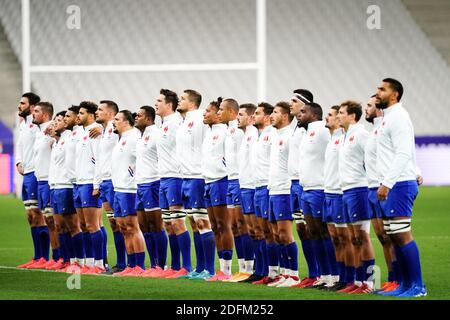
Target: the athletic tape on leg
(398, 226)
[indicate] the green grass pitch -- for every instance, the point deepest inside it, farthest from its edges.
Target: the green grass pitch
(430, 227)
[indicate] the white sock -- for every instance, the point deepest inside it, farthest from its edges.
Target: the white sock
(73, 260)
(80, 261)
(249, 266)
(294, 273)
(358, 283)
(90, 262)
(227, 267)
(222, 264)
(273, 271)
(241, 263)
(282, 271)
(99, 263)
(369, 284)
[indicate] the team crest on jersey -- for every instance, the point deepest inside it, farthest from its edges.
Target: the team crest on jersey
(191, 124)
(266, 138)
(232, 131)
(351, 138)
(312, 134)
(110, 130)
(147, 138)
(85, 138)
(280, 143)
(336, 142)
(166, 128)
(383, 124)
(215, 138)
(249, 139)
(74, 133)
(376, 132)
(62, 143)
(124, 142)
(31, 126)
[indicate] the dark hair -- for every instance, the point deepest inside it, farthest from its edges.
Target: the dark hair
(316, 110)
(353, 107)
(249, 108)
(231, 103)
(286, 108)
(306, 93)
(61, 113)
(267, 108)
(90, 107)
(149, 112)
(216, 104)
(170, 97)
(335, 108)
(128, 115)
(194, 97)
(111, 105)
(74, 109)
(47, 108)
(33, 98)
(396, 86)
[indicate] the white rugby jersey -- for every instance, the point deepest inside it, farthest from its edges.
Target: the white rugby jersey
(59, 175)
(214, 166)
(279, 179)
(370, 155)
(232, 145)
(352, 172)
(396, 150)
(71, 144)
(103, 164)
(312, 160)
(246, 158)
(168, 162)
(124, 162)
(147, 156)
(189, 142)
(25, 144)
(294, 150)
(86, 155)
(332, 181)
(42, 152)
(262, 156)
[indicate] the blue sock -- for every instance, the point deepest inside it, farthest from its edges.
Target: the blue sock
(402, 271)
(36, 243)
(69, 246)
(148, 244)
(331, 255)
(411, 258)
(292, 252)
(161, 243)
(175, 252)
(247, 243)
(391, 276)
(199, 253)
(258, 257)
(88, 249)
(310, 257)
(97, 243)
(184, 243)
(119, 243)
(209, 249)
(285, 257)
(239, 247)
(140, 259)
(131, 260)
(341, 268)
(322, 258)
(45, 241)
(280, 255)
(360, 273)
(220, 254)
(227, 254)
(105, 243)
(56, 253)
(264, 258)
(316, 244)
(63, 247)
(350, 273)
(153, 249)
(273, 254)
(78, 245)
(368, 269)
(396, 271)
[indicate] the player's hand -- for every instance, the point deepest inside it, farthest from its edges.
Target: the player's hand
(19, 167)
(419, 180)
(95, 193)
(382, 193)
(95, 132)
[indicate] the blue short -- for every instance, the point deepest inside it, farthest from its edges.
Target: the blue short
(193, 193)
(312, 203)
(216, 193)
(62, 201)
(247, 199)
(400, 200)
(234, 193)
(261, 201)
(333, 210)
(296, 196)
(170, 192)
(147, 196)
(124, 204)
(279, 208)
(374, 204)
(107, 192)
(82, 197)
(356, 204)
(29, 188)
(43, 195)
